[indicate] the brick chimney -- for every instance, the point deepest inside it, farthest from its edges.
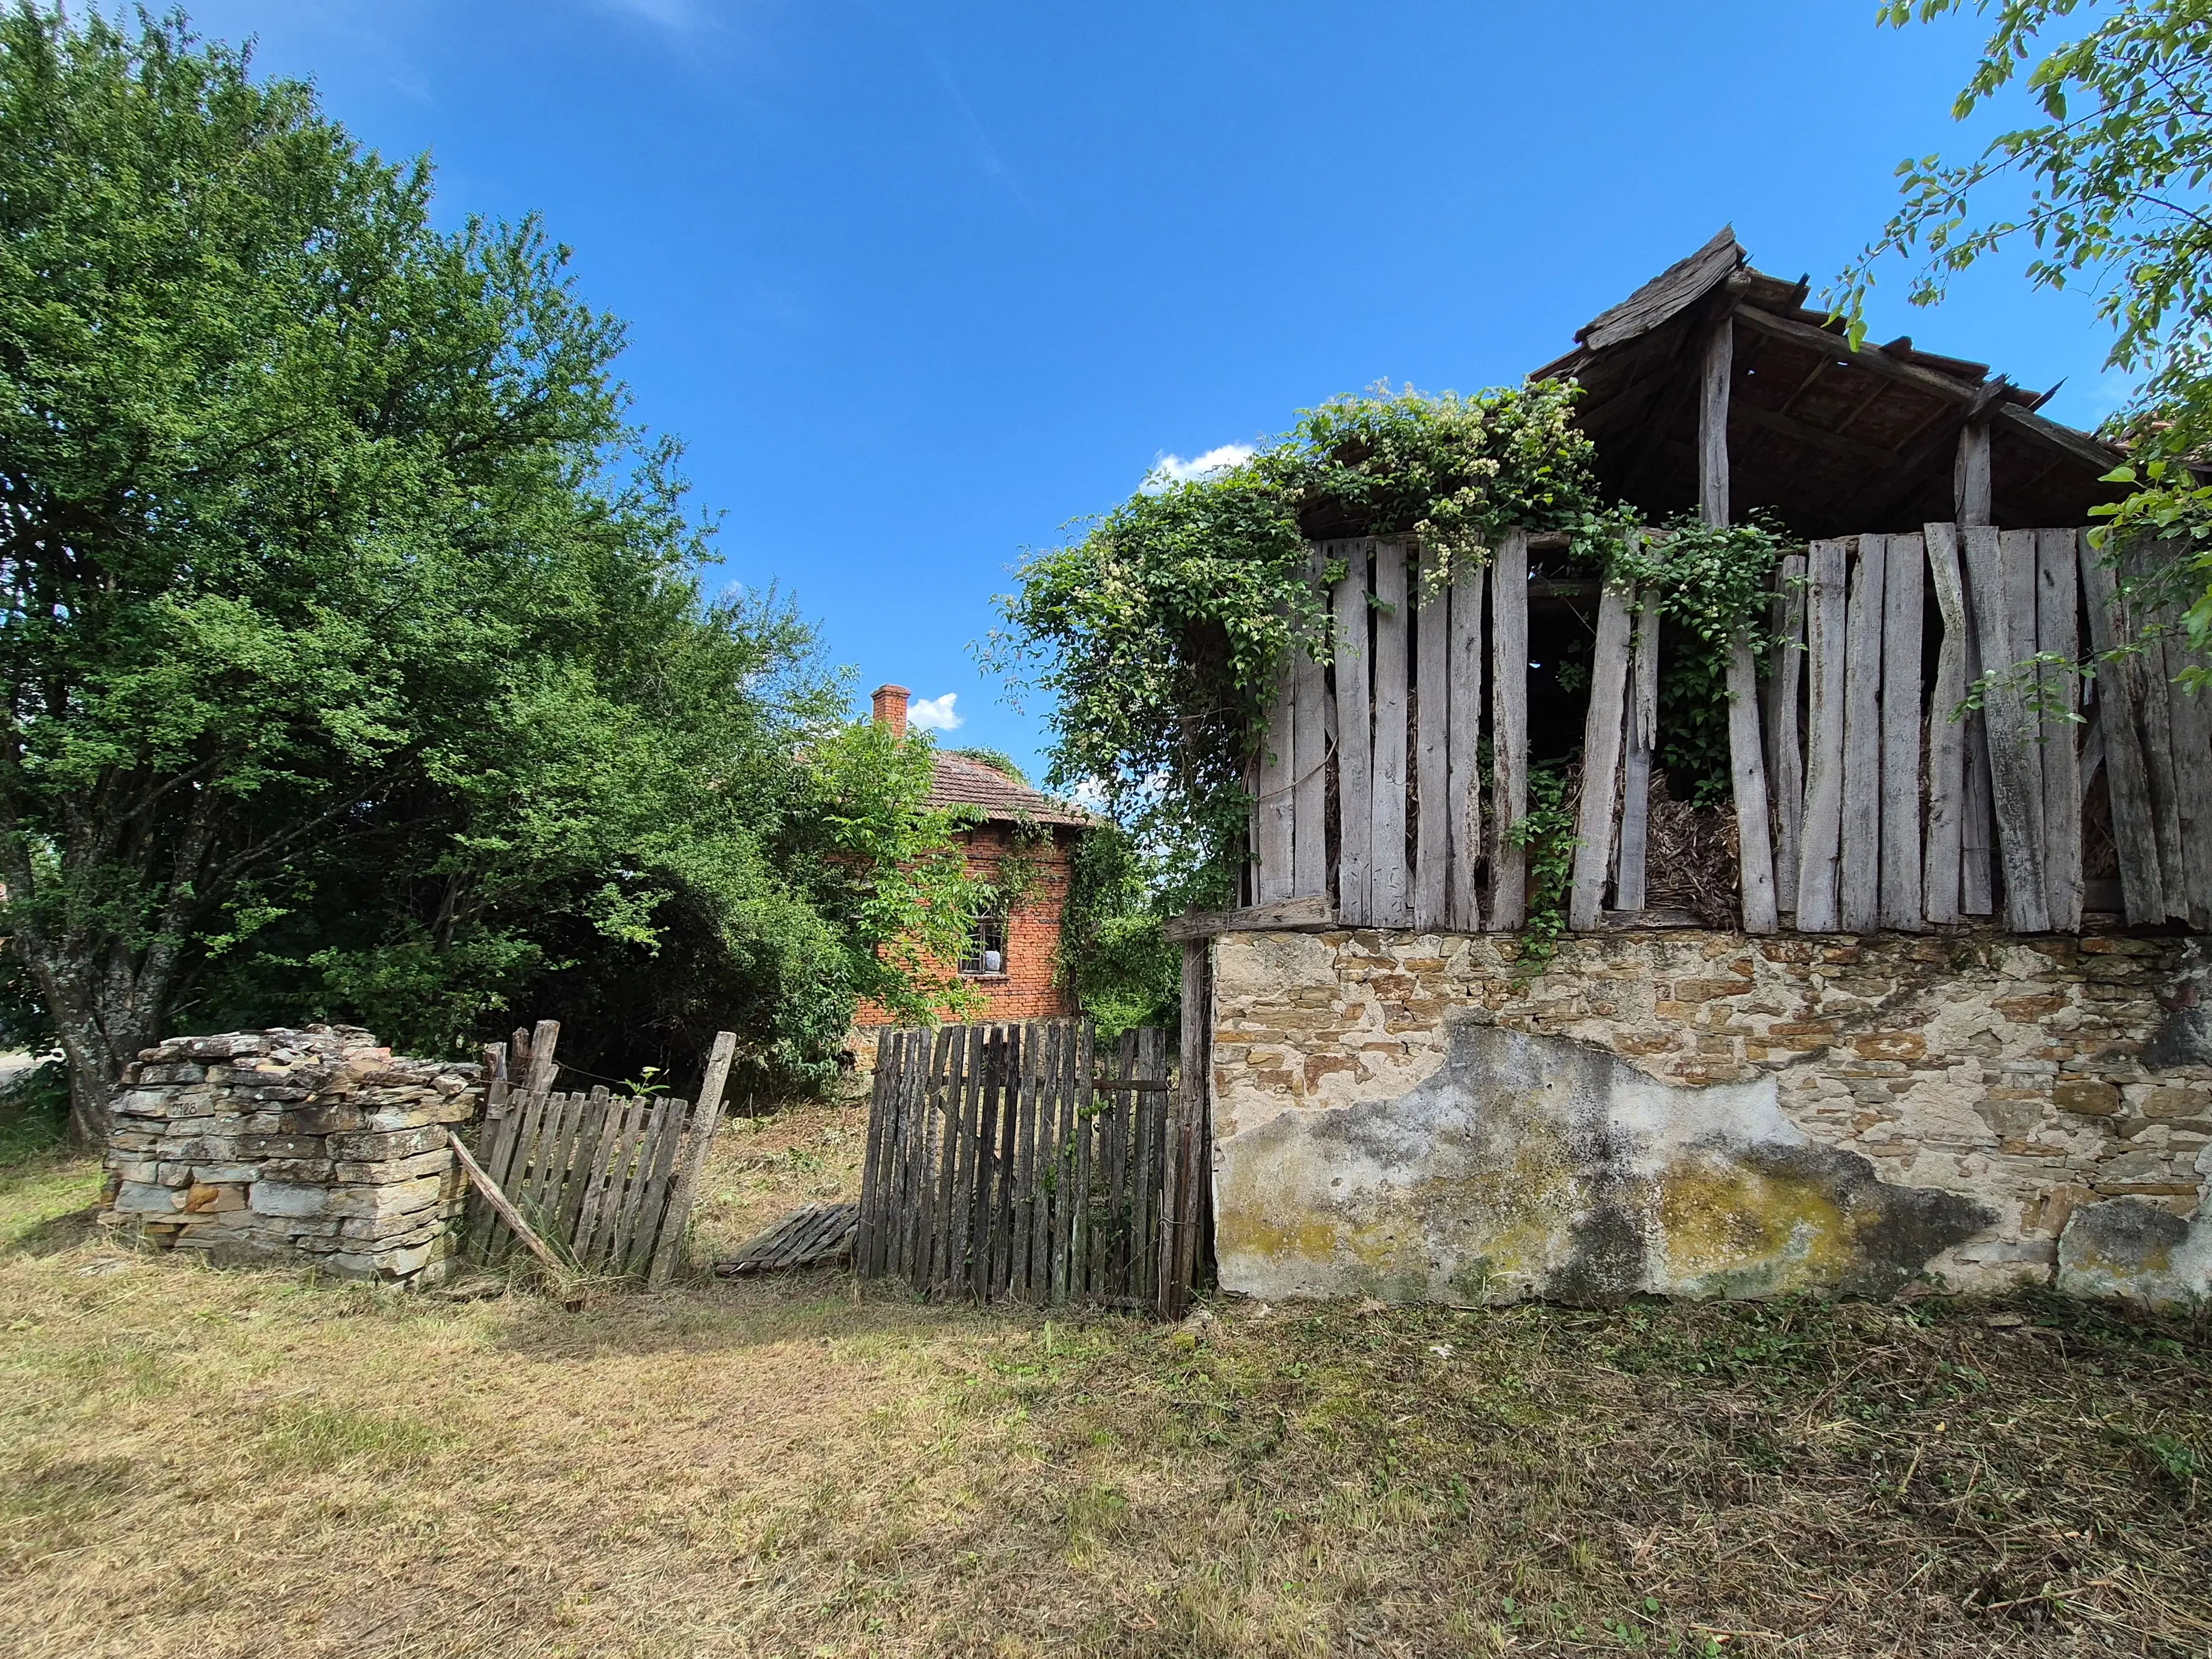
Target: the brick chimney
(890, 707)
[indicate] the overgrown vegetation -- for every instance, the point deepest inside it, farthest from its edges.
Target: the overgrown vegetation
(357, 660)
(773, 1468)
(1161, 633)
(2114, 158)
(1113, 954)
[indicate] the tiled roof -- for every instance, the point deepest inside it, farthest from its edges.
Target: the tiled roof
(964, 782)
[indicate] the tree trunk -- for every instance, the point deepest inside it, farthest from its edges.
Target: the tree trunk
(97, 1041)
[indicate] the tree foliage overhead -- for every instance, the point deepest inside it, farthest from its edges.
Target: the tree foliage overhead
(2114, 173)
(2115, 168)
(356, 661)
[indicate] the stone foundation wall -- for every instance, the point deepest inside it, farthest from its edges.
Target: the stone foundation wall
(1704, 1113)
(316, 1145)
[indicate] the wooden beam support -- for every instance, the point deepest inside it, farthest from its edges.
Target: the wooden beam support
(1970, 476)
(1303, 916)
(1873, 359)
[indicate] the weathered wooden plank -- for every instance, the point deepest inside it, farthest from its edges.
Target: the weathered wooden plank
(1643, 732)
(1152, 1064)
(1355, 731)
(655, 1168)
(1602, 739)
(938, 1109)
(959, 1078)
(1432, 749)
(591, 1219)
(1858, 905)
(2189, 727)
(1463, 904)
(882, 1089)
(626, 1123)
(1002, 1243)
(1064, 1194)
(1977, 858)
(515, 1179)
(1716, 371)
(2057, 603)
(662, 1127)
(976, 1204)
(1272, 811)
(1310, 790)
(2154, 701)
(1390, 879)
(1080, 1283)
(1509, 692)
(498, 1200)
(705, 1122)
(1021, 1207)
(1186, 1138)
(1901, 902)
(1819, 844)
(1785, 747)
(1113, 1122)
(2127, 781)
(1297, 914)
(550, 1164)
(1747, 775)
(2000, 578)
(591, 1125)
(1946, 736)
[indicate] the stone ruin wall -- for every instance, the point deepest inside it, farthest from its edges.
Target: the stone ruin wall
(316, 1145)
(1706, 1114)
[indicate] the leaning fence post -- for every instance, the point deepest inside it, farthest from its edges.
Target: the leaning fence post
(706, 1118)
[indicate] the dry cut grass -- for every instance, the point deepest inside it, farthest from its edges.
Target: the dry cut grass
(208, 1464)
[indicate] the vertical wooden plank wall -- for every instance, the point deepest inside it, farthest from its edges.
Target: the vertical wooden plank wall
(1877, 803)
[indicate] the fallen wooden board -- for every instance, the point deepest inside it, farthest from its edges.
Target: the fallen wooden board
(808, 1236)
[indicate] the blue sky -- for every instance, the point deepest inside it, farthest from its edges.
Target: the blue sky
(920, 284)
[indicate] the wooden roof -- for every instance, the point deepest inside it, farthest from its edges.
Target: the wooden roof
(1833, 442)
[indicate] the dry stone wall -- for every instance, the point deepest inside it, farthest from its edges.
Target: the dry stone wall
(318, 1145)
(1706, 1114)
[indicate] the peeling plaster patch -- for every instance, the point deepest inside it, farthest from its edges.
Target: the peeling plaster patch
(2124, 1247)
(1528, 1164)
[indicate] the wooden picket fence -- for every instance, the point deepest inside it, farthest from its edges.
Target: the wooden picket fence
(608, 1183)
(1860, 800)
(1026, 1162)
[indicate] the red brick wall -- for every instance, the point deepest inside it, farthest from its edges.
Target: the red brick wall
(1028, 989)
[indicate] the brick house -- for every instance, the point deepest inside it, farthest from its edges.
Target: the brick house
(1013, 957)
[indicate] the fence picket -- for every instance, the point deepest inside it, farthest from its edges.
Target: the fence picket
(1820, 846)
(1602, 735)
(2127, 781)
(2000, 575)
(1643, 724)
(1785, 758)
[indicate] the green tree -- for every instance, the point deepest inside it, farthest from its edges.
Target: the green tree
(2107, 183)
(355, 658)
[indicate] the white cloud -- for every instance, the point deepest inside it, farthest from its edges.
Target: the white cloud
(934, 713)
(1173, 469)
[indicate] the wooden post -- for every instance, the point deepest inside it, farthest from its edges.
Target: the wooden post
(1602, 746)
(1509, 690)
(1970, 475)
(706, 1118)
(1746, 765)
(1858, 902)
(1636, 769)
(1189, 1145)
(542, 1067)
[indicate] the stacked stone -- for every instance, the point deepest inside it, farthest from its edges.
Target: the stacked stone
(258, 1146)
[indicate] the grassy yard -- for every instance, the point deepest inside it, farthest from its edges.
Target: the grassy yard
(213, 1463)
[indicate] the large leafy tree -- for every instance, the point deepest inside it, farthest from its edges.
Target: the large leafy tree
(2104, 184)
(354, 658)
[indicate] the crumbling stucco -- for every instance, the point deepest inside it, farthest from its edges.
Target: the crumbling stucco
(1704, 1115)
